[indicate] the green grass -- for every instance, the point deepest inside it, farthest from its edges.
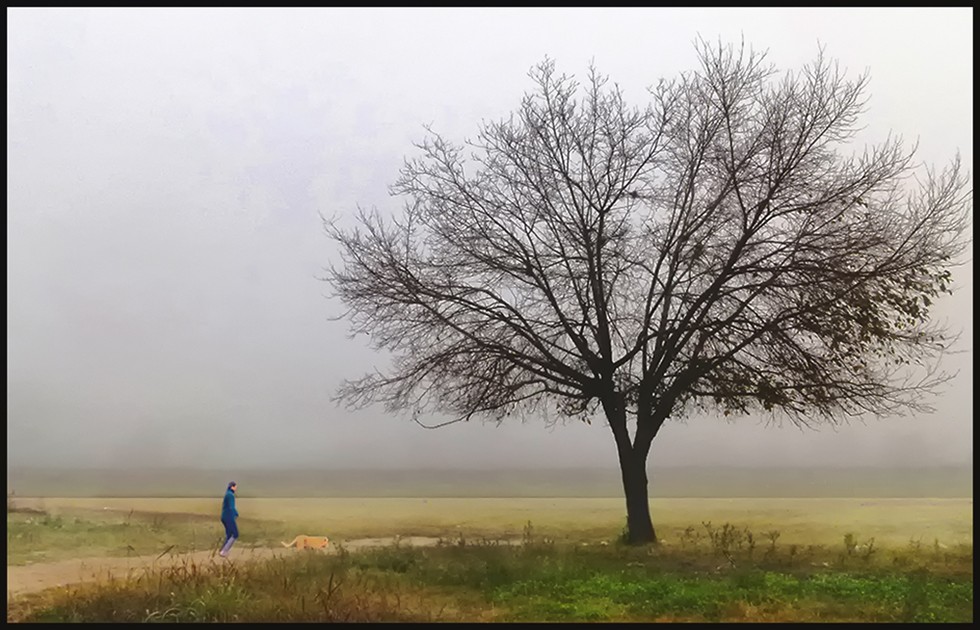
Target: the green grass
(642, 592)
(754, 560)
(539, 581)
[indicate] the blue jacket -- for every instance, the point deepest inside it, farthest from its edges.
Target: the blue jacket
(228, 511)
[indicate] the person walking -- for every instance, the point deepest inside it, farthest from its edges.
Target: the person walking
(228, 516)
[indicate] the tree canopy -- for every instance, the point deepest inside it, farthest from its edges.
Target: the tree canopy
(721, 247)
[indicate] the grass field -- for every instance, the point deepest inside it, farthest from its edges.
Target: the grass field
(192, 522)
(737, 559)
(710, 572)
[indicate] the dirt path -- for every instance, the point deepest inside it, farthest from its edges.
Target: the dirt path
(37, 577)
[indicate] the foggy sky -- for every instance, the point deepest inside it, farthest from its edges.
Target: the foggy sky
(166, 168)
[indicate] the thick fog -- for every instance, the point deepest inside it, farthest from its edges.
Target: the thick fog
(166, 169)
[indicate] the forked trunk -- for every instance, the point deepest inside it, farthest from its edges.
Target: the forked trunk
(633, 464)
(638, 522)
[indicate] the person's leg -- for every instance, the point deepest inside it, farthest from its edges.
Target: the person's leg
(229, 537)
(231, 531)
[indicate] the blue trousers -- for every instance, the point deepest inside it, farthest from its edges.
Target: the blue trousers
(231, 534)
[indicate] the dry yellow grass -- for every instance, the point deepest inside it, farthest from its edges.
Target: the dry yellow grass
(800, 521)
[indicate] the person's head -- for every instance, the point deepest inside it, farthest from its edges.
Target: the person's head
(232, 486)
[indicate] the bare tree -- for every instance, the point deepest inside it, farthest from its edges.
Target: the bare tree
(713, 250)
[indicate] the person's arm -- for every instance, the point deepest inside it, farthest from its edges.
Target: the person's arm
(233, 508)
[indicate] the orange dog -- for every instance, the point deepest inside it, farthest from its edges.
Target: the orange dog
(308, 542)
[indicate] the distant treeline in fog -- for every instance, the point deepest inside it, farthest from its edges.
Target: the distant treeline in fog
(664, 482)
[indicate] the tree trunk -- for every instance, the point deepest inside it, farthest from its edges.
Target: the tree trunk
(633, 464)
(638, 522)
